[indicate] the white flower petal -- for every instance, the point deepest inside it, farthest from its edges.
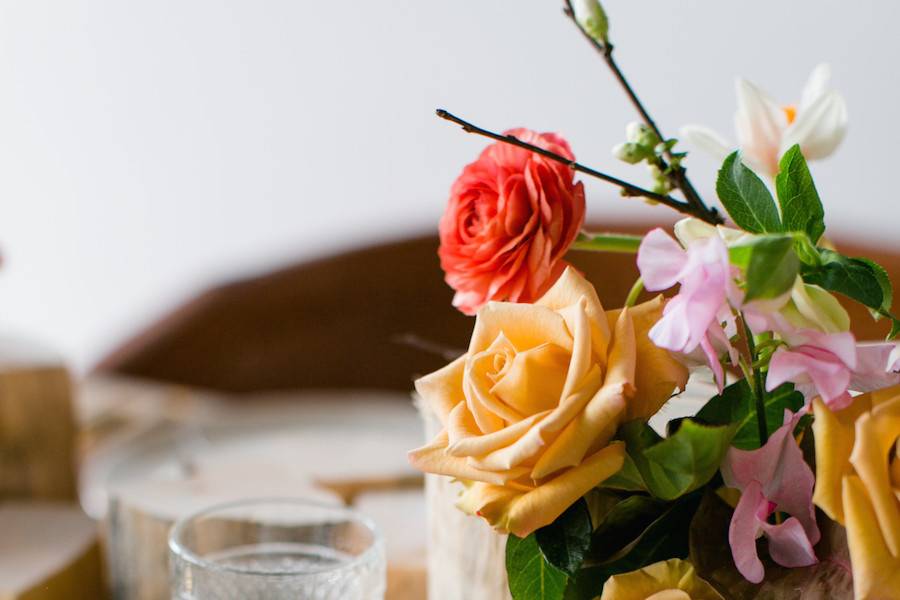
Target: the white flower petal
(760, 124)
(820, 128)
(707, 140)
(816, 86)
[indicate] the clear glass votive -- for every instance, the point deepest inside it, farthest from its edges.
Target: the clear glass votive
(276, 550)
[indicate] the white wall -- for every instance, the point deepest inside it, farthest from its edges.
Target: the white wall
(150, 148)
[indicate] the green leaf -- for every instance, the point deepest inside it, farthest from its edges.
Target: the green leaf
(895, 329)
(665, 537)
(682, 462)
(852, 277)
(736, 405)
(746, 198)
(530, 576)
(565, 541)
(801, 208)
(884, 280)
(772, 266)
(623, 524)
(627, 479)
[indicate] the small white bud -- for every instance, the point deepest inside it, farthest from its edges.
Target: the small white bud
(630, 153)
(589, 14)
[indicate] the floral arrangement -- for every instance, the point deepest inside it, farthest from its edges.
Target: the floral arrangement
(787, 480)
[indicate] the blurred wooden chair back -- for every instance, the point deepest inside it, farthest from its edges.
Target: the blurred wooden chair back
(370, 318)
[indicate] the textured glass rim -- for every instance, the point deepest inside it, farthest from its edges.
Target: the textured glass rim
(180, 552)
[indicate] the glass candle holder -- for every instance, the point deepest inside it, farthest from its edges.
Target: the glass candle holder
(276, 549)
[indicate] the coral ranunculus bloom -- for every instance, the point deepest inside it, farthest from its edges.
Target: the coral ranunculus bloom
(511, 217)
(530, 411)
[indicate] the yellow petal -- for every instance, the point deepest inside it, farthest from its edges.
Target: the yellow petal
(581, 359)
(673, 579)
(546, 502)
(535, 379)
(442, 390)
(466, 440)
(481, 372)
(657, 374)
(834, 433)
(488, 501)
(525, 325)
(597, 423)
(876, 572)
(433, 458)
(568, 290)
(876, 435)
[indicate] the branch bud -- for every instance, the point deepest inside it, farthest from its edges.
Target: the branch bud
(589, 14)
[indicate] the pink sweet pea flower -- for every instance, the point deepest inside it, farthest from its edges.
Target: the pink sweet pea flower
(694, 317)
(772, 478)
(877, 366)
(818, 364)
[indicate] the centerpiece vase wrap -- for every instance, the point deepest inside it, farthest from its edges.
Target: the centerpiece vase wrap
(466, 558)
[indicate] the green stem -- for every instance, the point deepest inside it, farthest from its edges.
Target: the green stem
(635, 292)
(608, 242)
(757, 387)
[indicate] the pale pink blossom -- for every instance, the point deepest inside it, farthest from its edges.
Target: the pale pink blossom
(694, 317)
(877, 366)
(772, 478)
(818, 364)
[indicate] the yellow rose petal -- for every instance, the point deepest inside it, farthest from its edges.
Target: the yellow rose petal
(657, 374)
(569, 289)
(542, 505)
(876, 572)
(673, 579)
(524, 325)
(834, 433)
(466, 440)
(535, 379)
(433, 458)
(443, 389)
(876, 436)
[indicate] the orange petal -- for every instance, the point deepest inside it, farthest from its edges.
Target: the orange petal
(442, 390)
(876, 572)
(569, 289)
(545, 503)
(834, 435)
(433, 458)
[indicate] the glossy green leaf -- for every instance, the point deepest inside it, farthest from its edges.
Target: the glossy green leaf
(530, 576)
(627, 479)
(565, 541)
(884, 280)
(801, 208)
(680, 463)
(622, 524)
(852, 277)
(737, 406)
(746, 198)
(665, 536)
(771, 266)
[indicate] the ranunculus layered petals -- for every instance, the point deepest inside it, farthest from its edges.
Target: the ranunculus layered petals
(674, 579)
(511, 217)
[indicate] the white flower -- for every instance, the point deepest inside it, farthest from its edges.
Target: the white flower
(765, 130)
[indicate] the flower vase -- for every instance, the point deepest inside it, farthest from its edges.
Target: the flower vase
(466, 558)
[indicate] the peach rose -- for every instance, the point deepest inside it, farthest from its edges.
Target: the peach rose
(530, 411)
(511, 217)
(673, 579)
(858, 485)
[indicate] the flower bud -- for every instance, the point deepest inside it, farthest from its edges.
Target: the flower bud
(630, 153)
(642, 135)
(592, 18)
